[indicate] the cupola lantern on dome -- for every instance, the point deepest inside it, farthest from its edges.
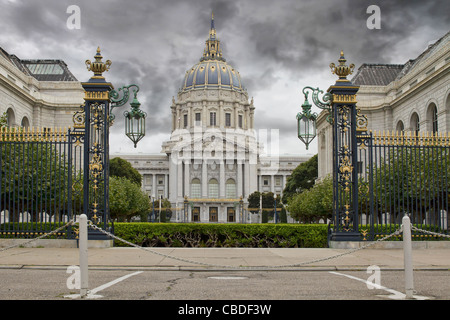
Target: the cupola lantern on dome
(212, 50)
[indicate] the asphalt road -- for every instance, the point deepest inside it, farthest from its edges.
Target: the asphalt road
(57, 284)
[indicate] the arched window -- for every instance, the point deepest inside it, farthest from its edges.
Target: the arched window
(432, 117)
(414, 125)
(25, 122)
(213, 189)
(11, 118)
(196, 188)
(230, 189)
(400, 126)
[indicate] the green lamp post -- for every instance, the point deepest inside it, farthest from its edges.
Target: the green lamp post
(306, 120)
(134, 118)
(135, 122)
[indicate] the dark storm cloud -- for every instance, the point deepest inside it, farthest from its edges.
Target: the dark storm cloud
(153, 43)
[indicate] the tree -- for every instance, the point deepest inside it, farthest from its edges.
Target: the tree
(126, 199)
(119, 167)
(413, 181)
(313, 204)
(3, 120)
(33, 174)
(166, 212)
(267, 200)
(303, 177)
(268, 203)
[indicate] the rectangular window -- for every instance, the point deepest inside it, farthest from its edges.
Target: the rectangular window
(213, 214)
(185, 120)
(227, 119)
(196, 189)
(278, 181)
(198, 119)
(212, 119)
(231, 214)
(196, 214)
(240, 121)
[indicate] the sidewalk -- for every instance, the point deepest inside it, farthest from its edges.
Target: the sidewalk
(221, 258)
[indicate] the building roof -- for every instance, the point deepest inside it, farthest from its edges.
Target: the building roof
(383, 74)
(212, 71)
(41, 70)
(376, 74)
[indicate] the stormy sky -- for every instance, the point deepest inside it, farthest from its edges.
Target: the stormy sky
(278, 47)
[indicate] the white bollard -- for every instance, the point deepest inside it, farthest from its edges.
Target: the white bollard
(407, 250)
(83, 246)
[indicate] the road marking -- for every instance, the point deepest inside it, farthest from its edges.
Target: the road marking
(395, 295)
(228, 278)
(92, 293)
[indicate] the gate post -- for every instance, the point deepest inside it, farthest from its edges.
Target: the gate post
(96, 146)
(345, 160)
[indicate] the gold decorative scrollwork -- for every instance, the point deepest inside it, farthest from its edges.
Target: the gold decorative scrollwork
(79, 118)
(346, 170)
(361, 121)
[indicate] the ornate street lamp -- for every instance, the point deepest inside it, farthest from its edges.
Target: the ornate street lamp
(306, 120)
(100, 99)
(135, 118)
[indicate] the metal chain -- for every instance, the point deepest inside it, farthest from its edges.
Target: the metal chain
(38, 238)
(430, 232)
(246, 267)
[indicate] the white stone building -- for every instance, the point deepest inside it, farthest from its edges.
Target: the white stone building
(38, 93)
(213, 157)
(414, 96)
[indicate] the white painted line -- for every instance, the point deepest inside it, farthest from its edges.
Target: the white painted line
(395, 295)
(228, 278)
(92, 293)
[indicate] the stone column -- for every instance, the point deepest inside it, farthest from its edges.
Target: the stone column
(246, 179)
(187, 182)
(222, 180)
(180, 195)
(204, 179)
(154, 193)
(172, 179)
(239, 179)
(166, 186)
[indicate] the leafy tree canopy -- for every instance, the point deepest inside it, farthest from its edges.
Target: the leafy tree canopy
(119, 167)
(126, 199)
(267, 200)
(303, 177)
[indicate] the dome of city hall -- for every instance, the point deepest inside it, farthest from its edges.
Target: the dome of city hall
(212, 71)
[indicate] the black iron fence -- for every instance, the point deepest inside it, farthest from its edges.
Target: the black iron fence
(39, 181)
(403, 174)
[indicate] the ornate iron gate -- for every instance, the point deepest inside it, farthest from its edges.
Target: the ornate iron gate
(380, 177)
(39, 174)
(403, 173)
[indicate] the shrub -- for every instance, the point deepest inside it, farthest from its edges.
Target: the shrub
(223, 235)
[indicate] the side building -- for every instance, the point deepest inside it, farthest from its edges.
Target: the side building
(38, 93)
(411, 97)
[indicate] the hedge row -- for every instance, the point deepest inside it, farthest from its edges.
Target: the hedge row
(222, 235)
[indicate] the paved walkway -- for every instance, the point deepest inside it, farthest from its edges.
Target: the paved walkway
(134, 258)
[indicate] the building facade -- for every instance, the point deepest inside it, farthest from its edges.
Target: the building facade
(38, 93)
(411, 97)
(213, 158)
